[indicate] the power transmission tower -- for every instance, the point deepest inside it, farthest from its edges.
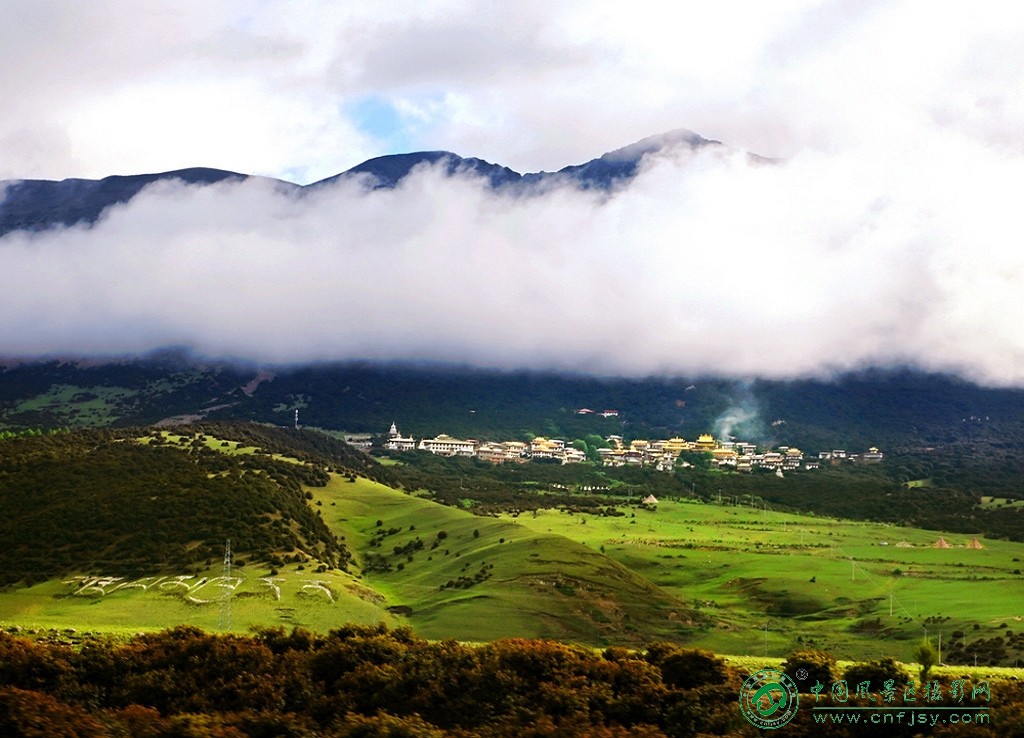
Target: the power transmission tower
(225, 589)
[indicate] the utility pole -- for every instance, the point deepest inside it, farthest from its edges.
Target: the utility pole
(225, 589)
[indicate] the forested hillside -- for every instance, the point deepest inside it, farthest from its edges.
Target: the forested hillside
(953, 434)
(132, 502)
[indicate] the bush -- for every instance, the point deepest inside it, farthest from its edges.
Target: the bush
(877, 672)
(819, 667)
(686, 669)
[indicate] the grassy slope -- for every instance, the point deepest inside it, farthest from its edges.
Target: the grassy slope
(541, 585)
(53, 604)
(748, 568)
(536, 585)
(294, 596)
(742, 568)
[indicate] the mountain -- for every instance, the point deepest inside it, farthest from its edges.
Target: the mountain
(36, 205)
(385, 172)
(620, 166)
(931, 427)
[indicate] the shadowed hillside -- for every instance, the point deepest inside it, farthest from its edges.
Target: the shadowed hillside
(96, 501)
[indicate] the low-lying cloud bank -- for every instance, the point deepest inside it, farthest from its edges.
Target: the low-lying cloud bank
(706, 263)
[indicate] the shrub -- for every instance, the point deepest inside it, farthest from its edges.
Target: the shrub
(877, 672)
(686, 669)
(818, 665)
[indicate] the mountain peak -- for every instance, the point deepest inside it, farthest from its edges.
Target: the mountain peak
(387, 171)
(669, 140)
(35, 205)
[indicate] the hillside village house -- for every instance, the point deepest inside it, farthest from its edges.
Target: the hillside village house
(444, 445)
(661, 454)
(603, 413)
(396, 442)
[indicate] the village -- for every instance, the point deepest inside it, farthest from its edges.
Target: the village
(662, 455)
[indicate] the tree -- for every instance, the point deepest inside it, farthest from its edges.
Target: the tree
(926, 655)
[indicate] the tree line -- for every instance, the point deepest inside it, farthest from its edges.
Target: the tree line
(371, 681)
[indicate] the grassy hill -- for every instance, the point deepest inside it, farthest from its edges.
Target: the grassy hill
(456, 575)
(124, 531)
(774, 582)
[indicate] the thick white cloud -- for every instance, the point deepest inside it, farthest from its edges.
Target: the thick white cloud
(707, 263)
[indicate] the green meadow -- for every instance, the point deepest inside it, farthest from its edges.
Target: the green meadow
(317, 601)
(733, 579)
(773, 582)
(471, 578)
(479, 578)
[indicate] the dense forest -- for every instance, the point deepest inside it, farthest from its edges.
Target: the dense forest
(372, 682)
(939, 428)
(128, 502)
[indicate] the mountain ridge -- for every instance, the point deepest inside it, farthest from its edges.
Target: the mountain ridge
(35, 205)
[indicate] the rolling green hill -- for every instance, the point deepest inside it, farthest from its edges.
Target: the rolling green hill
(124, 531)
(117, 530)
(89, 501)
(456, 575)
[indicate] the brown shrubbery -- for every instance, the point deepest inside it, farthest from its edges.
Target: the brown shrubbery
(370, 681)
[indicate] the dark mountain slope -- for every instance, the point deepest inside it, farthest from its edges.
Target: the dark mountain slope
(35, 205)
(385, 172)
(621, 165)
(935, 427)
(38, 204)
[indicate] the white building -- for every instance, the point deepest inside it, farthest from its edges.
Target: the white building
(444, 445)
(396, 442)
